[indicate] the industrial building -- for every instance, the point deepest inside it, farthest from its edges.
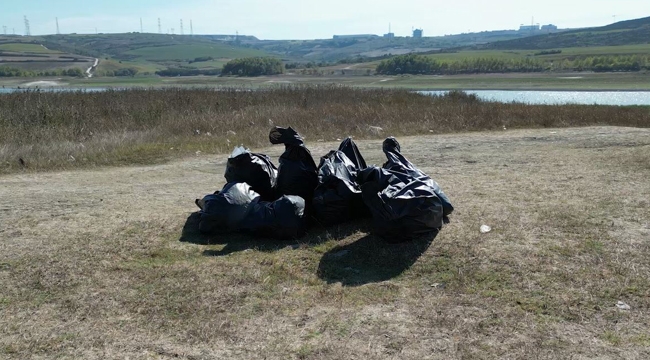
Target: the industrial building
(549, 28)
(536, 27)
(529, 27)
(417, 33)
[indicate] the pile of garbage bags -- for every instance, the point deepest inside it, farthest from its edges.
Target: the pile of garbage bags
(283, 202)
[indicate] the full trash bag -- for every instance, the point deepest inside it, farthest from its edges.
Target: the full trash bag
(337, 198)
(226, 210)
(284, 218)
(256, 170)
(297, 173)
(237, 208)
(397, 161)
(350, 149)
(404, 201)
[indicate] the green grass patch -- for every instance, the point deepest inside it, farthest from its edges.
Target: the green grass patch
(481, 54)
(116, 65)
(641, 49)
(212, 64)
(26, 48)
(192, 51)
(612, 337)
(643, 340)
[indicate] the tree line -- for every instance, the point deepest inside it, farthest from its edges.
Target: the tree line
(605, 63)
(253, 66)
(72, 72)
(119, 72)
(187, 72)
(419, 64)
(14, 72)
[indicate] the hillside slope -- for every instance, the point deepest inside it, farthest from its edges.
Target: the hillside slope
(24, 59)
(629, 32)
(133, 46)
(144, 53)
(351, 48)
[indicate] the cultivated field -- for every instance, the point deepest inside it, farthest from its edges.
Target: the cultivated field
(189, 52)
(104, 263)
(34, 57)
(26, 48)
(567, 53)
(145, 53)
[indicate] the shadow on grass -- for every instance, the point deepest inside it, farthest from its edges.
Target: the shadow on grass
(371, 260)
(235, 242)
(365, 261)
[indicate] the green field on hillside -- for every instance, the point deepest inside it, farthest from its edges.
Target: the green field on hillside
(26, 48)
(115, 65)
(191, 51)
(212, 64)
(642, 49)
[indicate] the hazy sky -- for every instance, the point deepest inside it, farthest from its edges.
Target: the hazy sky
(306, 19)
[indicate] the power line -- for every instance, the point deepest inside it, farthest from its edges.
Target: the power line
(4, 28)
(191, 28)
(58, 32)
(28, 32)
(141, 29)
(159, 27)
(182, 32)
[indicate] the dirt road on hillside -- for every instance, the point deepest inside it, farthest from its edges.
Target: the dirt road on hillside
(91, 265)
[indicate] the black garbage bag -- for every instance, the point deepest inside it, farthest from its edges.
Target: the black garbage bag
(337, 197)
(256, 170)
(237, 208)
(226, 210)
(350, 149)
(402, 199)
(297, 173)
(284, 218)
(397, 161)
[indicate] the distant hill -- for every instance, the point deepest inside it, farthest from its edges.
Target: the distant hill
(35, 58)
(631, 32)
(144, 53)
(329, 50)
(150, 47)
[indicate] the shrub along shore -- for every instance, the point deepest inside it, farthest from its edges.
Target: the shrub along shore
(58, 130)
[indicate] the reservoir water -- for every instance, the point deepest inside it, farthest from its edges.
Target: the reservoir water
(621, 98)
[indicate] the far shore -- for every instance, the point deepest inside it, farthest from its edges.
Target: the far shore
(506, 82)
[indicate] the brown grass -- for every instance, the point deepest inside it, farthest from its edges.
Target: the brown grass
(95, 264)
(74, 129)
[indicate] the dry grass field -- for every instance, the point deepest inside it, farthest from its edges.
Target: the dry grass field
(105, 263)
(65, 130)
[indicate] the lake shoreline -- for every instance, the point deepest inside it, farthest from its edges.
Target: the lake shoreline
(127, 86)
(587, 81)
(522, 96)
